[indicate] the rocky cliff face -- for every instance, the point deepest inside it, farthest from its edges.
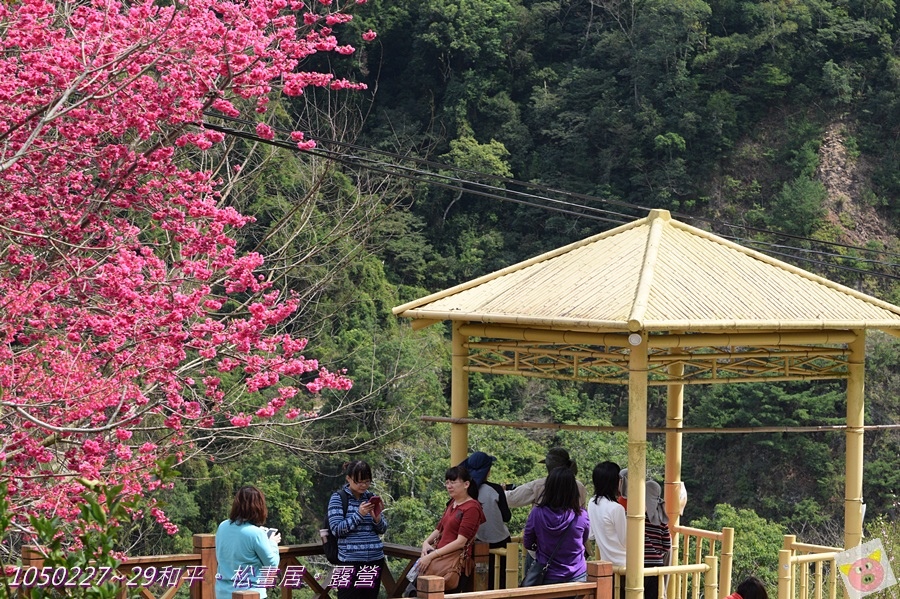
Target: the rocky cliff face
(849, 207)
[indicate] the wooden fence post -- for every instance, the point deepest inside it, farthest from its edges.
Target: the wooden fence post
(601, 574)
(31, 558)
(205, 545)
(482, 567)
(430, 587)
(245, 595)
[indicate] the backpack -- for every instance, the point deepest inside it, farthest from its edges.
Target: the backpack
(329, 541)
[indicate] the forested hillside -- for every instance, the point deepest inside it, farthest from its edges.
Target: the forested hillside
(525, 125)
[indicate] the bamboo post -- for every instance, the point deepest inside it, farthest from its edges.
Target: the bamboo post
(512, 565)
(711, 579)
(785, 584)
(459, 395)
(853, 499)
(637, 466)
(726, 562)
(430, 587)
(672, 494)
(205, 545)
(601, 573)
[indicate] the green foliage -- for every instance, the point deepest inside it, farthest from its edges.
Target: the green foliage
(771, 483)
(888, 531)
(799, 207)
(94, 547)
(756, 542)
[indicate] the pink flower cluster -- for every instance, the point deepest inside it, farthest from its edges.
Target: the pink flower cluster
(115, 259)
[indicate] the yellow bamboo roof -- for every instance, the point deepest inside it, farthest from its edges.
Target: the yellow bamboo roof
(656, 274)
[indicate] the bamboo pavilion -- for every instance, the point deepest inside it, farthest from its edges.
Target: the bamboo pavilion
(659, 302)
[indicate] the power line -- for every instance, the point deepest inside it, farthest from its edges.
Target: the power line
(548, 189)
(479, 188)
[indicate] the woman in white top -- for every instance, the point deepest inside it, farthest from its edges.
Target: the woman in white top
(606, 514)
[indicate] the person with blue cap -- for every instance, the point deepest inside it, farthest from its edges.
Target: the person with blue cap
(492, 498)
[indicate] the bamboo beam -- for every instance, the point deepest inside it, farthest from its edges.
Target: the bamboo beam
(827, 428)
(660, 341)
(543, 335)
(584, 351)
(853, 486)
(812, 376)
(752, 339)
(459, 396)
(562, 323)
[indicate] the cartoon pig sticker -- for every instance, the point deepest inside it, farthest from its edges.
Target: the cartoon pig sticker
(865, 574)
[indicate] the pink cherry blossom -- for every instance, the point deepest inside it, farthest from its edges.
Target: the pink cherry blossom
(120, 263)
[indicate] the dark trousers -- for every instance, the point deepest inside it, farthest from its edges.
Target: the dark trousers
(363, 585)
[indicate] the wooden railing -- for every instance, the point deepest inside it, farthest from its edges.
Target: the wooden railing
(806, 571)
(161, 576)
(598, 586)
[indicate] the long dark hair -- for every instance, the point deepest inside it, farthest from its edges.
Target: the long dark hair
(606, 481)
(561, 491)
(249, 505)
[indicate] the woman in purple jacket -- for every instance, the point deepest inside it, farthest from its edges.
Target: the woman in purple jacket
(558, 528)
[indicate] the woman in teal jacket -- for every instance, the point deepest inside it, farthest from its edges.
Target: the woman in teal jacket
(245, 552)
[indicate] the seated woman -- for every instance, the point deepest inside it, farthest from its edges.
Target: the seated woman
(558, 528)
(457, 527)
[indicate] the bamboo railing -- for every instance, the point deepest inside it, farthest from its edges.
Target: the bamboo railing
(144, 576)
(692, 545)
(806, 571)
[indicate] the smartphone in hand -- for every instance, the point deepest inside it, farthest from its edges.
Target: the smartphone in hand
(271, 531)
(377, 504)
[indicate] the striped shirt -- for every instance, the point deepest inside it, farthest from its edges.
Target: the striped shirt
(657, 544)
(358, 536)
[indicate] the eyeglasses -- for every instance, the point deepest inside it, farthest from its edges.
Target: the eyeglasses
(362, 483)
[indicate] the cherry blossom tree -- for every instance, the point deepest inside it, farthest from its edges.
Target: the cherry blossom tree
(128, 319)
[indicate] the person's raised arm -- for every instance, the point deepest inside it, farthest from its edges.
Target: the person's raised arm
(522, 495)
